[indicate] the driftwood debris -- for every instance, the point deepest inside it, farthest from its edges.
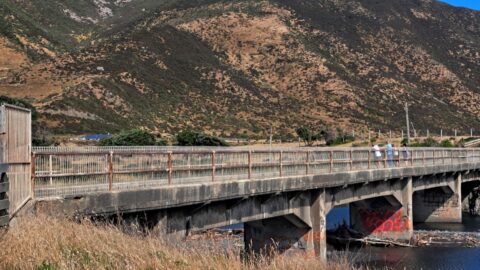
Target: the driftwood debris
(343, 236)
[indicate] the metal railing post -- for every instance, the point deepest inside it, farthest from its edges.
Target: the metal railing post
(170, 167)
(33, 173)
(213, 166)
(351, 159)
(50, 169)
(434, 157)
(307, 164)
(423, 157)
(411, 157)
(369, 159)
(110, 171)
(281, 163)
(331, 161)
(385, 158)
(250, 164)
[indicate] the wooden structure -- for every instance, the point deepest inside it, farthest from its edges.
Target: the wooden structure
(16, 147)
(4, 202)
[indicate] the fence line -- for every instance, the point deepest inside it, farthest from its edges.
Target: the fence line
(64, 173)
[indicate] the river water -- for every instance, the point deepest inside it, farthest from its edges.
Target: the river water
(452, 257)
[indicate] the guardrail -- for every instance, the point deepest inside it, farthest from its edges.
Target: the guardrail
(70, 173)
(4, 202)
(472, 143)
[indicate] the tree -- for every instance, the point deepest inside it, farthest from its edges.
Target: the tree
(134, 137)
(306, 135)
(193, 138)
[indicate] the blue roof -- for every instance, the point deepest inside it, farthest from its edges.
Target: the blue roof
(97, 137)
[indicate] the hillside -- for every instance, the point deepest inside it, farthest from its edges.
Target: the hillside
(234, 68)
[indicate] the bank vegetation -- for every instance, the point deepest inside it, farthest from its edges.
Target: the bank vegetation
(47, 243)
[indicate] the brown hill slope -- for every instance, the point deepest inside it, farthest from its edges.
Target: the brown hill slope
(235, 67)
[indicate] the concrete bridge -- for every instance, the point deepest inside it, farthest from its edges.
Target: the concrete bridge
(281, 196)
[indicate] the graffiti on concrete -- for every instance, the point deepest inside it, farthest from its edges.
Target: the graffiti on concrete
(384, 220)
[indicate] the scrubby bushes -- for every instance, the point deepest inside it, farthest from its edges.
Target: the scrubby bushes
(431, 142)
(135, 137)
(331, 138)
(192, 138)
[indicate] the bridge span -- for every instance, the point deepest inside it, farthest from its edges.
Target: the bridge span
(281, 196)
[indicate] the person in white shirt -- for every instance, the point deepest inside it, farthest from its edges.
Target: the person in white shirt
(377, 154)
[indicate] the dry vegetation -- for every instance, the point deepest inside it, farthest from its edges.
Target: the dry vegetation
(50, 243)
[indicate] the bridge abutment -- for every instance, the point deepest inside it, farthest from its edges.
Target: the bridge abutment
(440, 204)
(302, 233)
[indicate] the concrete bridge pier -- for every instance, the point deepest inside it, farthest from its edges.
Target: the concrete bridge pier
(292, 222)
(439, 204)
(302, 233)
(385, 217)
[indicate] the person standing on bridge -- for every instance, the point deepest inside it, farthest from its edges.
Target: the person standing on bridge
(390, 155)
(405, 153)
(377, 154)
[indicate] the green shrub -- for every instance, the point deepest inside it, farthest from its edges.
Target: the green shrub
(135, 137)
(446, 143)
(431, 142)
(192, 138)
(340, 140)
(306, 135)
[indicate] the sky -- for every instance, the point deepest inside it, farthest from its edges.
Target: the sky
(473, 4)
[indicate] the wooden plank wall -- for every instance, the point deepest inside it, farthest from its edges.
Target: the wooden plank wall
(16, 141)
(4, 202)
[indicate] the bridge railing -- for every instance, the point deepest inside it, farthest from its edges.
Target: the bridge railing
(70, 173)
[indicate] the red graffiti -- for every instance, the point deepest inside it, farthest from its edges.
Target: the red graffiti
(384, 221)
(315, 236)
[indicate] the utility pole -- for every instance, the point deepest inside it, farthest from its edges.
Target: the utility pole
(408, 122)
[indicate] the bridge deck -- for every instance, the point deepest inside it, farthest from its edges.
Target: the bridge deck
(61, 172)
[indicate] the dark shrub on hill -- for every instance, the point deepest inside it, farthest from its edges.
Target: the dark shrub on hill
(192, 138)
(135, 137)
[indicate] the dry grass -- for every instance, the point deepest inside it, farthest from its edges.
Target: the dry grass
(50, 243)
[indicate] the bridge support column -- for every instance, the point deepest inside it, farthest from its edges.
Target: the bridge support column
(471, 198)
(442, 204)
(388, 217)
(302, 233)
